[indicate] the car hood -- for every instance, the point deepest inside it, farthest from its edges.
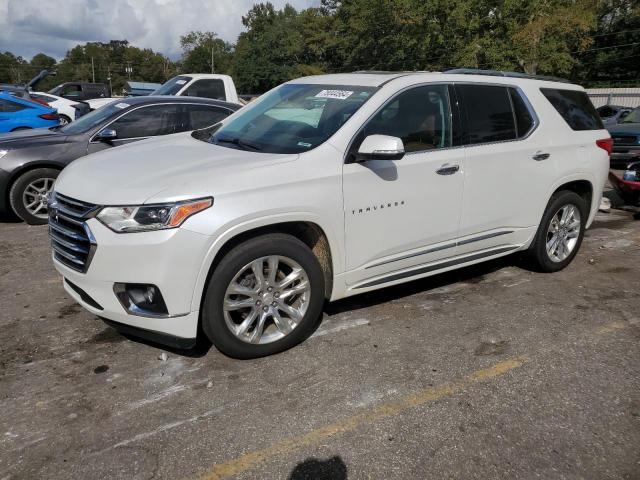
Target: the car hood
(31, 138)
(170, 168)
(630, 128)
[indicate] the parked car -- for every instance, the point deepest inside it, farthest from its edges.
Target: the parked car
(31, 161)
(627, 185)
(81, 90)
(204, 85)
(626, 140)
(18, 113)
(612, 114)
(382, 179)
(68, 110)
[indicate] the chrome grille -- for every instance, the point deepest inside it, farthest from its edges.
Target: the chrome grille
(72, 241)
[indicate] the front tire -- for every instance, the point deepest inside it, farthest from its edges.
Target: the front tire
(264, 297)
(560, 233)
(28, 194)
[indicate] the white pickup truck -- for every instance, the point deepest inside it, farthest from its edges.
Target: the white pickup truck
(205, 85)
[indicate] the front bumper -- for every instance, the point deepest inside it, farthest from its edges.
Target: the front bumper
(170, 259)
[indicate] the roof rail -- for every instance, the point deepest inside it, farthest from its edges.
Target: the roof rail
(391, 72)
(498, 73)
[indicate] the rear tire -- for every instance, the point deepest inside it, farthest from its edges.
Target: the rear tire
(560, 233)
(278, 311)
(64, 120)
(28, 194)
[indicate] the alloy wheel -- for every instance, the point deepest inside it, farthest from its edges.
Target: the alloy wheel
(266, 299)
(563, 233)
(35, 195)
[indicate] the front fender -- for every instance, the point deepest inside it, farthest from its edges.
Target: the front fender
(229, 232)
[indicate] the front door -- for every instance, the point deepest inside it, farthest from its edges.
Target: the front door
(404, 213)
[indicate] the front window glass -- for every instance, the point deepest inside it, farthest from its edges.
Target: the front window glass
(149, 122)
(173, 86)
(93, 119)
(633, 117)
(294, 118)
(419, 116)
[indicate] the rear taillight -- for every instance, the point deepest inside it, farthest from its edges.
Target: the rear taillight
(49, 116)
(606, 144)
(37, 100)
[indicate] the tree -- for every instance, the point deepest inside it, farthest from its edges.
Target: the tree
(280, 45)
(204, 52)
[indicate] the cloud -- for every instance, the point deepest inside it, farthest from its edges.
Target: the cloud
(28, 27)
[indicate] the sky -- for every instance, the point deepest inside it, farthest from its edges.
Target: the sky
(28, 27)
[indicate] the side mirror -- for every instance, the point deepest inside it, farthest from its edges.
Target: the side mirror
(106, 135)
(380, 147)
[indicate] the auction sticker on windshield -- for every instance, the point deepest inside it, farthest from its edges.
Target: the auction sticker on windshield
(337, 94)
(122, 105)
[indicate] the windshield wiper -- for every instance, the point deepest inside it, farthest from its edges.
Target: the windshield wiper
(238, 142)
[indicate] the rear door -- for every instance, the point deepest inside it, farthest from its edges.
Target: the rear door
(507, 167)
(203, 116)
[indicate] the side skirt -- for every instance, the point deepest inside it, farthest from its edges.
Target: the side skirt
(442, 264)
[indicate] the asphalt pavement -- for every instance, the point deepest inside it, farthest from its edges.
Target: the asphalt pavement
(488, 372)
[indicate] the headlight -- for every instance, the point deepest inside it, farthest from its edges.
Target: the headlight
(142, 218)
(3, 153)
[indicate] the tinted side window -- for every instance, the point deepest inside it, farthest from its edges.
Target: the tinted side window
(489, 115)
(202, 116)
(149, 121)
(207, 88)
(421, 117)
(7, 106)
(575, 107)
(523, 116)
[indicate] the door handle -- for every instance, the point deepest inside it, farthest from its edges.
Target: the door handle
(538, 156)
(447, 169)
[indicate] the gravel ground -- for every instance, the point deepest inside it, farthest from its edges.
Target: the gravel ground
(488, 372)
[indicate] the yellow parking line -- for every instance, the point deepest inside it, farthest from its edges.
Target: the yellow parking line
(253, 459)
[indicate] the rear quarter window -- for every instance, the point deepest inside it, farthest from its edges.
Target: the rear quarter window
(575, 107)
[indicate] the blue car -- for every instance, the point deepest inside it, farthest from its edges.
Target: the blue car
(17, 113)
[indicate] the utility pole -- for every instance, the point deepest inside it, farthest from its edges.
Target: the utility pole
(93, 71)
(129, 70)
(109, 78)
(213, 70)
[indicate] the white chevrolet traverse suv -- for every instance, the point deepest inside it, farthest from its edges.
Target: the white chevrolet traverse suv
(326, 187)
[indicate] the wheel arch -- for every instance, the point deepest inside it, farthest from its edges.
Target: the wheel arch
(27, 167)
(581, 184)
(310, 232)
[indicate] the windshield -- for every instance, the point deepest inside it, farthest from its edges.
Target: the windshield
(293, 118)
(633, 117)
(171, 87)
(93, 119)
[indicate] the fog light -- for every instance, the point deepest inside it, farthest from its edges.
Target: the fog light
(141, 299)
